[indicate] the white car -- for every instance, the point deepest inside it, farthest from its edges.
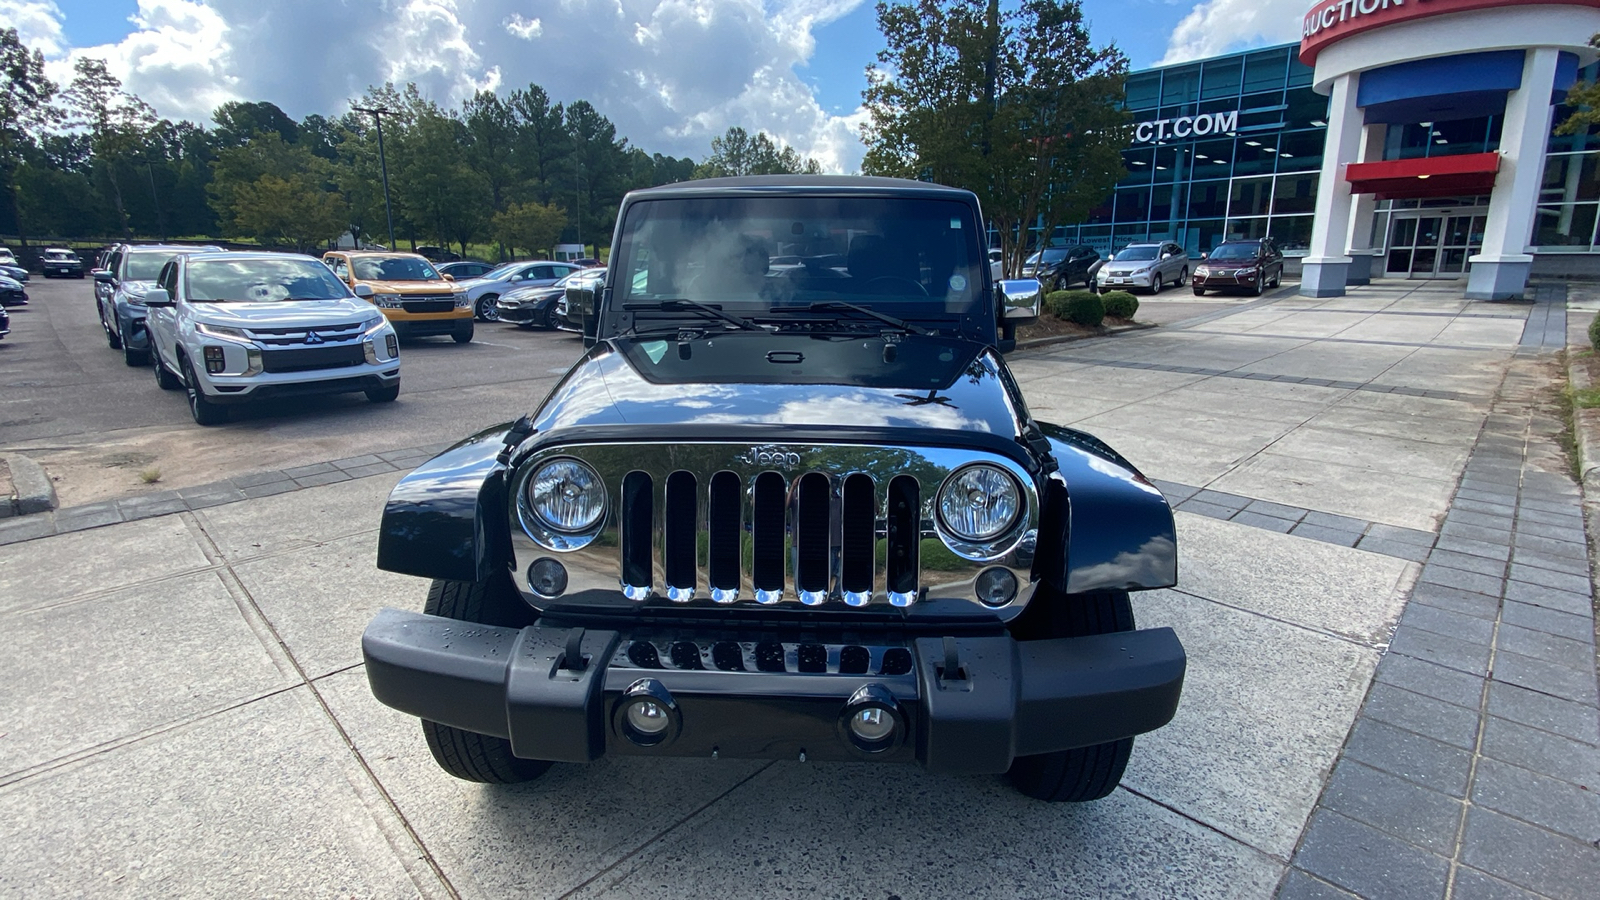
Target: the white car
(7, 258)
(234, 327)
(484, 291)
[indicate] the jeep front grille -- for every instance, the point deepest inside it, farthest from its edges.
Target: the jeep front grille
(707, 525)
(827, 527)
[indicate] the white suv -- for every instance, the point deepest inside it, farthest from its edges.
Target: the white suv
(233, 327)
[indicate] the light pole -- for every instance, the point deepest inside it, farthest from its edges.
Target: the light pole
(378, 113)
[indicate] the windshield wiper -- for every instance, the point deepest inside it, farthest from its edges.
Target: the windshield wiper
(840, 305)
(682, 305)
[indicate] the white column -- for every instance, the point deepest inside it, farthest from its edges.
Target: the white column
(1500, 271)
(1366, 205)
(1325, 267)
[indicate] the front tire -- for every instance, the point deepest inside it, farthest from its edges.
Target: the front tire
(1199, 291)
(463, 333)
(204, 411)
(132, 358)
(468, 755)
(384, 395)
(485, 308)
(1258, 286)
(164, 379)
(1083, 773)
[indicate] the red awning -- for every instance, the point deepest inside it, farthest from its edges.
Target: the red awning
(1431, 176)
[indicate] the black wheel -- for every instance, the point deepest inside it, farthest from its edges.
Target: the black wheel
(1083, 773)
(1199, 291)
(384, 395)
(113, 339)
(1183, 277)
(466, 754)
(1277, 279)
(485, 308)
(204, 411)
(1259, 285)
(164, 379)
(550, 317)
(463, 333)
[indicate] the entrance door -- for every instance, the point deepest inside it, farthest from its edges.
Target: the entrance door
(1433, 244)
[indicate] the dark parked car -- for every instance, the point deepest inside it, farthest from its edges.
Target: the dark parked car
(536, 306)
(798, 513)
(437, 254)
(15, 273)
(1251, 266)
(61, 263)
(5, 322)
(575, 310)
(1058, 268)
(12, 293)
(461, 270)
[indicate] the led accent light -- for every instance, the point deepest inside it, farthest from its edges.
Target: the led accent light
(547, 578)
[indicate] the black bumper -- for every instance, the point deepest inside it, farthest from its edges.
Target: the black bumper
(1008, 698)
(350, 385)
(413, 328)
(521, 315)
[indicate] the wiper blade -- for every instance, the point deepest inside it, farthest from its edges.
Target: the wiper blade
(838, 305)
(683, 305)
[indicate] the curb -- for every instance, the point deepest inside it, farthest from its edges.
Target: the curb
(1035, 343)
(35, 492)
(1585, 430)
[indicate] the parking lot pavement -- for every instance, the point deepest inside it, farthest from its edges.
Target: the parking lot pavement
(186, 711)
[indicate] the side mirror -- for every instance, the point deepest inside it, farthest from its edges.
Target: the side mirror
(157, 297)
(103, 276)
(1020, 299)
(447, 276)
(364, 291)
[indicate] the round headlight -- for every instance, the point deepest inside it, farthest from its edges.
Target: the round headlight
(567, 495)
(979, 503)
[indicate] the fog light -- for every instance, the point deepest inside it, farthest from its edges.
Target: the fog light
(214, 362)
(872, 721)
(872, 725)
(646, 714)
(647, 717)
(392, 343)
(547, 578)
(996, 586)
(370, 350)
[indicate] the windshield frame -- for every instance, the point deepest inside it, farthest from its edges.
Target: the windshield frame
(783, 295)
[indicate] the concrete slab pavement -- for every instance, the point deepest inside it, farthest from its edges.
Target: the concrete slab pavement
(227, 743)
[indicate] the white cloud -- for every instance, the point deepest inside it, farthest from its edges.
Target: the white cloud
(527, 29)
(671, 74)
(38, 23)
(1222, 26)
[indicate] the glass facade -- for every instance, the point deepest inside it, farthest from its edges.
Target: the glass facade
(1232, 147)
(1225, 147)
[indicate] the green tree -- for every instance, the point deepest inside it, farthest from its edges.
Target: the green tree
(737, 152)
(534, 227)
(1584, 101)
(445, 197)
(119, 126)
(239, 121)
(543, 144)
(1019, 107)
(294, 210)
(25, 111)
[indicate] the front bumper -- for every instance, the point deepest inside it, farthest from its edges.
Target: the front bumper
(1005, 699)
(1215, 280)
(135, 336)
(235, 389)
(1126, 279)
(522, 315)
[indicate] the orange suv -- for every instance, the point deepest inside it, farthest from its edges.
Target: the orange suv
(416, 298)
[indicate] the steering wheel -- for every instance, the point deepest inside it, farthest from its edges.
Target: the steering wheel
(896, 279)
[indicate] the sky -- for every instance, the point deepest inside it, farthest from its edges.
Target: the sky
(671, 74)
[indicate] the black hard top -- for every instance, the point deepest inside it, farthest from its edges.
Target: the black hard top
(817, 184)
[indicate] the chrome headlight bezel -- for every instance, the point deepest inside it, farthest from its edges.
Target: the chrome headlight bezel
(978, 542)
(540, 524)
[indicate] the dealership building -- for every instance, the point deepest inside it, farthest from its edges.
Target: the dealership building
(1399, 138)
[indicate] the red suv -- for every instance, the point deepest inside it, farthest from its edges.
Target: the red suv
(1253, 266)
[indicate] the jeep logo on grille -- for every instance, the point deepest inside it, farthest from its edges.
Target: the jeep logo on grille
(769, 457)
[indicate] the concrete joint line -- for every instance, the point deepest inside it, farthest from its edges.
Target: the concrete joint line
(279, 650)
(1208, 826)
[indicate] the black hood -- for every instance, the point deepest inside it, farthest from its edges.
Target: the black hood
(752, 379)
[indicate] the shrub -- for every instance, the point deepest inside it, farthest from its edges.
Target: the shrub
(1082, 307)
(1594, 333)
(1120, 304)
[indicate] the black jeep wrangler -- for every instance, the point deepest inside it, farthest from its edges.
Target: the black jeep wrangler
(790, 505)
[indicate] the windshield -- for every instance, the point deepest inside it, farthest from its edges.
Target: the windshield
(394, 268)
(63, 255)
(145, 266)
(1051, 256)
(1235, 251)
(1132, 253)
(883, 252)
(502, 272)
(261, 281)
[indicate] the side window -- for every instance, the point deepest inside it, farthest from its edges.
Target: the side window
(165, 278)
(116, 264)
(341, 268)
